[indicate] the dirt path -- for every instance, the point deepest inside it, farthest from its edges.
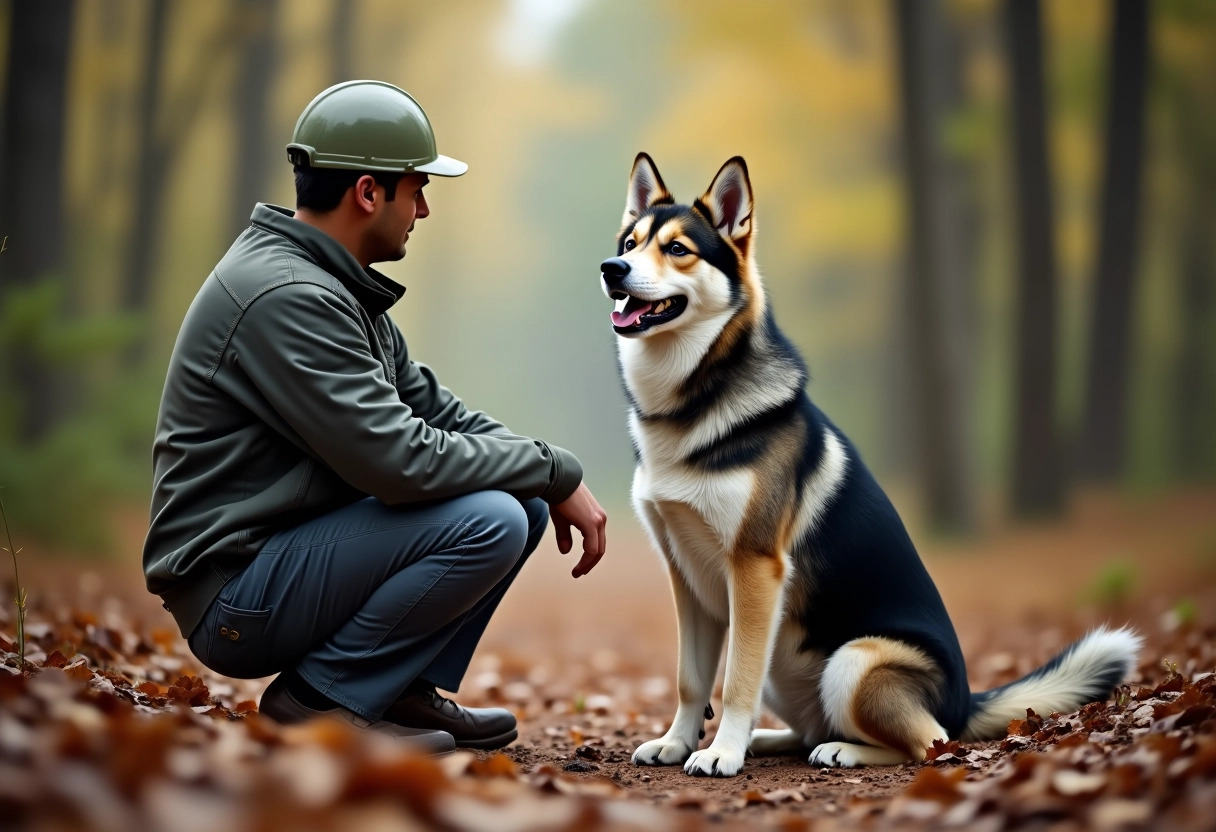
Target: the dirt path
(588, 667)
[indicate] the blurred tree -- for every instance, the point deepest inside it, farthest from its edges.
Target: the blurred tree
(1194, 387)
(343, 22)
(936, 286)
(256, 154)
(165, 119)
(31, 180)
(149, 190)
(1103, 436)
(1038, 483)
(1185, 87)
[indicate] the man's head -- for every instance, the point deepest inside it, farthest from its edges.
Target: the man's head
(363, 151)
(371, 213)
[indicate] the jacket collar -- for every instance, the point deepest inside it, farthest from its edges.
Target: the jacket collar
(374, 291)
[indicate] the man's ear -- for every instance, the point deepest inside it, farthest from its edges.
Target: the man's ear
(645, 188)
(365, 192)
(728, 202)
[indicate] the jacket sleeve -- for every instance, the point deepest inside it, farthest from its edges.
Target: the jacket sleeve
(305, 350)
(431, 401)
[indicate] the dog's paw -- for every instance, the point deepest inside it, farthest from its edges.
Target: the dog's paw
(665, 751)
(715, 762)
(836, 755)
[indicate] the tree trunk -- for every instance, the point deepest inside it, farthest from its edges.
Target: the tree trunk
(343, 22)
(32, 215)
(1102, 441)
(936, 333)
(150, 185)
(256, 154)
(1195, 383)
(1038, 488)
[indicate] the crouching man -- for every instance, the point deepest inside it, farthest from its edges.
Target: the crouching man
(323, 507)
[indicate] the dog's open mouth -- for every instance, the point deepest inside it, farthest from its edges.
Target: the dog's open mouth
(635, 315)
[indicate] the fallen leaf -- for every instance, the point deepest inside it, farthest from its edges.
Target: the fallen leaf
(932, 784)
(496, 765)
(55, 659)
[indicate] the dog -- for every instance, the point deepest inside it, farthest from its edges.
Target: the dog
(773, 530)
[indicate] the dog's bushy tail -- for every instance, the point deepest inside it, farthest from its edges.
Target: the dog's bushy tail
(1088, 670)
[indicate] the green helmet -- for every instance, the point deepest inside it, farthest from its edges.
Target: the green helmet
(368, 125)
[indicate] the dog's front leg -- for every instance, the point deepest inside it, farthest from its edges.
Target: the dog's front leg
(700, 647)
(755, 582)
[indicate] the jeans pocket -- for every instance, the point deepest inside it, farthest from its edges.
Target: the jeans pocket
(238, 645)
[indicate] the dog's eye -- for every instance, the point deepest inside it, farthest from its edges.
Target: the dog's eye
(629, 244)
(676, 250)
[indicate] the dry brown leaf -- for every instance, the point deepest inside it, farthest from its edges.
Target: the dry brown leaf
(55, 659)
(79, 671)
(932, 784)
(750, 798)
(941, 747)
(416, 780)
(496, 765)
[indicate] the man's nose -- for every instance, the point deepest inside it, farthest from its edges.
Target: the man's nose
(615, 270)
(423, 210)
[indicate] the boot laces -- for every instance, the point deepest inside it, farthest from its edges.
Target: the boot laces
(441, 703)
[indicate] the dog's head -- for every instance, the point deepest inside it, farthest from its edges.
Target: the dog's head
(677, 265)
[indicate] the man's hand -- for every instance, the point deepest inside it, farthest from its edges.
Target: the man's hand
(581, 511)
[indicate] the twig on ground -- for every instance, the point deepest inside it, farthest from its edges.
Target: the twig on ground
(19, 589)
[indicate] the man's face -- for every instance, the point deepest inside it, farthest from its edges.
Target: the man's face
(393, 221)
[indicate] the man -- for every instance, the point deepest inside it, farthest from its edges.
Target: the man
(323, 508)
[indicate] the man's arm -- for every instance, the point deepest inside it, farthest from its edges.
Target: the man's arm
(431, 401)
(305, 350)
(419, 388)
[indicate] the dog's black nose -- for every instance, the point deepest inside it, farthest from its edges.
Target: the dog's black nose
(615, 269)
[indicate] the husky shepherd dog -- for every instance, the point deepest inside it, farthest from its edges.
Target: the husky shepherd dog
(772, 528)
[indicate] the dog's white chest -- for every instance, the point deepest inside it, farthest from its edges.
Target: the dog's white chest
(694, 517)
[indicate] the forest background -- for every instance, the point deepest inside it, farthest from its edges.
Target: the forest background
(989, 230)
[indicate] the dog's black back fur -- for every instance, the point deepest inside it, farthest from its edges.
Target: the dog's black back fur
(860, 550)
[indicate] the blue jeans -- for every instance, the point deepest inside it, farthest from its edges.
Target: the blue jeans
(368, 598)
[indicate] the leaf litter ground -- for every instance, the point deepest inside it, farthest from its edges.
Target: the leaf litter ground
(117, 727)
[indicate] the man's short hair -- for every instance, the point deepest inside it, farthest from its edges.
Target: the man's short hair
(321, 189)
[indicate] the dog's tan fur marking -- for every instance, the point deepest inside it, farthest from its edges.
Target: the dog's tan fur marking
(755, 590)
(889, 706)
(889, 688)
(771, 514)
(642, 229)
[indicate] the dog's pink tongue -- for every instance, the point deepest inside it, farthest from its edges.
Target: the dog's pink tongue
(630, 314)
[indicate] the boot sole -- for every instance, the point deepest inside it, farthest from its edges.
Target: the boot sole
(490, 743)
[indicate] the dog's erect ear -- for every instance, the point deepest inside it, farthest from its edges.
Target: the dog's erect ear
(728, 202)
(645, 188)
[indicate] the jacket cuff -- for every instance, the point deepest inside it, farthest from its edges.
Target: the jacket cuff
(565, 476)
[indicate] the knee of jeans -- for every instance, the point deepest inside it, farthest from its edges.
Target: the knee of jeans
(507, 523)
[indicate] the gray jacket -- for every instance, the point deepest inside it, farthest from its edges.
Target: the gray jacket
(291, 393)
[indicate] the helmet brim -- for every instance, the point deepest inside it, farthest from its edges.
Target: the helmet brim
(443, 166)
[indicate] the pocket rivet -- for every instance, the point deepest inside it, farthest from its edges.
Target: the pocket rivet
(223, 631)
(234, 635)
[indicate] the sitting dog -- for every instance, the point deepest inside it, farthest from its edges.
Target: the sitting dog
(772, 528)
